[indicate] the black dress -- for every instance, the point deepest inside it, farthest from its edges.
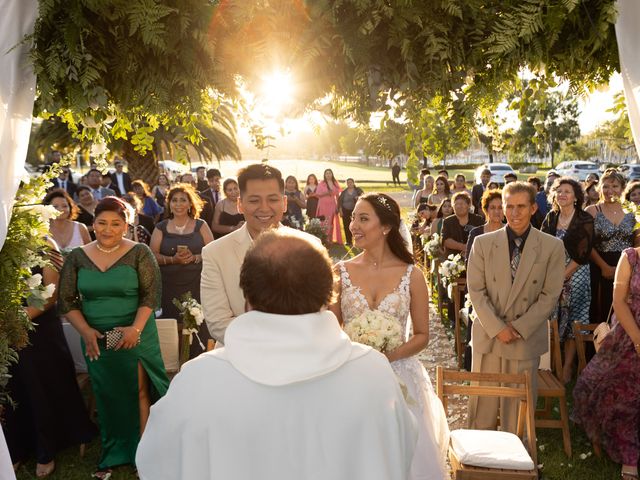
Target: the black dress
(49, 413)
(180, 279)
(229, 219)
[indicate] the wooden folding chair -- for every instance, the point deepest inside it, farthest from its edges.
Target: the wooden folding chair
(458, 291)
(582, 338)
(549, 387)
(452, 382)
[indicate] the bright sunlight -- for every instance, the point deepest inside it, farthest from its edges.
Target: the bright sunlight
(277, 92)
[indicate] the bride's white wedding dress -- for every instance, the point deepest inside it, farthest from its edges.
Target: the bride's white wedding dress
(433, 438)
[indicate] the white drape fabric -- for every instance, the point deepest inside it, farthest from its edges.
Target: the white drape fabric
(17, 92)
(628, 36)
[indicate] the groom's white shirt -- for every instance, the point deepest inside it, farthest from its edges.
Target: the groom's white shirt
(300, 402)
(220, 293)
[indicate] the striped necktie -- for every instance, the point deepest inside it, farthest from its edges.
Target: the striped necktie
(515, 257)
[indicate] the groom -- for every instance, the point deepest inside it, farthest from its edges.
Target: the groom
(263, 203)
(299, 399)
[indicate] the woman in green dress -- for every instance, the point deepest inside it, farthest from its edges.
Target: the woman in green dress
(112, 284)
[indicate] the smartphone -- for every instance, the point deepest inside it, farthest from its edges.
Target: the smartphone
(182, 248)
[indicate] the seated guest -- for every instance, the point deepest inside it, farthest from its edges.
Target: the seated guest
(492, 208)
(299, 399)
(141, 225)
(632, 193)
(456, 228)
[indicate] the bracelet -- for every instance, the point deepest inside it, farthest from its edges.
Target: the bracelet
(136, 329)
(164, 261)
(171, 260)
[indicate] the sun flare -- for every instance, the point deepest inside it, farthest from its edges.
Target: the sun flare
(277, 91)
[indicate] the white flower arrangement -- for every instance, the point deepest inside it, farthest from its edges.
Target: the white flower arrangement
(375, 329)
(451, 269)
(433, 246)
(192, 317)
(38, 294)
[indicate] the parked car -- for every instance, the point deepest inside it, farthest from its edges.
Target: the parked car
(631, 172)
(498, 171)
(577, 169)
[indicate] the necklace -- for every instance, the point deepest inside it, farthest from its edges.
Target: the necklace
(565, 222)
(107, 250)
(180, 230)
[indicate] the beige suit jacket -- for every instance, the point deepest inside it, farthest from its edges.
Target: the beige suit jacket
(527, 302)
(220, 293)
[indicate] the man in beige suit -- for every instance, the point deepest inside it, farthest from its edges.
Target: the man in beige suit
(514, 278)
(263, 203)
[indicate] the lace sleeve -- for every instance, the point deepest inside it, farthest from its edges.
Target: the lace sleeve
(68, 295)
(580, 242)
(149, 280)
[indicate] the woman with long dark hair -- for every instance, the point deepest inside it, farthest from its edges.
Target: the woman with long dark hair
(328, 191)
(311, 196)
(571, 224)
(383, 280)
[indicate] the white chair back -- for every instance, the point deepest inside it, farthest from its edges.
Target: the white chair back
(72, 337)
(169, 341)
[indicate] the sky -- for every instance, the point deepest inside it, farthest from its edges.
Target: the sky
(594, 107)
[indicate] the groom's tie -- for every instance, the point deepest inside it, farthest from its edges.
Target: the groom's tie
(515, 257)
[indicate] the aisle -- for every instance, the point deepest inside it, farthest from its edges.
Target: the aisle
(440, 351)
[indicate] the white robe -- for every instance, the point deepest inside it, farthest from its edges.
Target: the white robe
(288, 398)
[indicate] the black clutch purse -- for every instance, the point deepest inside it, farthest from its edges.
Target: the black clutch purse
(112, 338)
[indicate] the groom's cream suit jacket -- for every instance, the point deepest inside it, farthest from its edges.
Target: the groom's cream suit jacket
(220, 293)
(527, 301)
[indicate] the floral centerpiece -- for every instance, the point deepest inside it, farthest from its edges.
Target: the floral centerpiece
(450, 270)
(315, 227)
(375, 329)
(192, 317)
(433, 246)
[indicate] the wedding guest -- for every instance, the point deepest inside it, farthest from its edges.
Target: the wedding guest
(149, 205)
(86, 206)
(478, 190)
(159, 191)
(346, 203)
(492, 208)
(493, 186)
(177, 244)
(516, 262)
(460, 184)
(295, 203)
(632, 193)
(94, 181)
(141, 225)
(226, 216)
(592, 177)
(328, 191)
(201, 180)
(48, 413)
(592, 195)
(262, 201)
(211, 195)
(120, 180)
(288, 357)
(109, 290)
(614, 231)
(311, 196)
(456, 227)
(445, 209)
(440, 192)
(422, 196)
(607, 393)
(67, 233)
(65, 182)
(510, 177)
(541, 201)
(571, 224)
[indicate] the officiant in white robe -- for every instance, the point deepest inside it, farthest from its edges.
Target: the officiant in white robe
(290, 397)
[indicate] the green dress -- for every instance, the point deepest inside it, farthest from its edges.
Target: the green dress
(107, 300)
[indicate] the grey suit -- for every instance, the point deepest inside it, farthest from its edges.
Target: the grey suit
(527, 302)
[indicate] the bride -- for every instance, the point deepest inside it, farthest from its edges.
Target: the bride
(383, 278)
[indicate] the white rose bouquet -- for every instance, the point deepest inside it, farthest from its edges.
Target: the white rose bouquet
(433, 246)
(39, 294)
(451, 269)
(375, 329)
(192, 318)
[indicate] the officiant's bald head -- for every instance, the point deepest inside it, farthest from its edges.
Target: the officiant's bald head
(285, 273)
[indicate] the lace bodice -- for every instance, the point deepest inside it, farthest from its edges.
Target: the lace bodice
(396, 303)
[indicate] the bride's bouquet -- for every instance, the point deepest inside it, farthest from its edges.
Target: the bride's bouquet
(192, 318)
(450, 270)
(375, 329)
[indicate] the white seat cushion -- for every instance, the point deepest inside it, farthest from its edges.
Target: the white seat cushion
(490, 449)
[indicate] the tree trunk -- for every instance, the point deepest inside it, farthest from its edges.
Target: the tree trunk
(141, 167)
